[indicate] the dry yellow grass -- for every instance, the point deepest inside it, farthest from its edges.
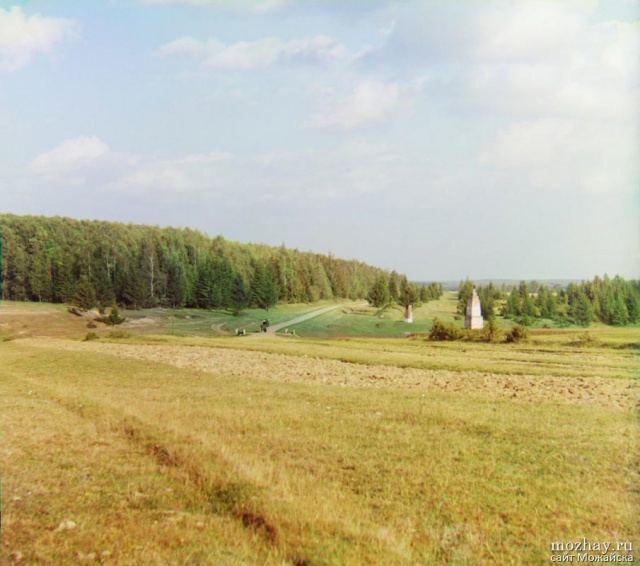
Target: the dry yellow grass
(191, 455)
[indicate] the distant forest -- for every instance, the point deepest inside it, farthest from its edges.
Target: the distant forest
(612, 301)
(94, 263)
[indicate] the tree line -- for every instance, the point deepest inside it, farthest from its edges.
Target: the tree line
(612, 301)
(97, 264)
(396, 288)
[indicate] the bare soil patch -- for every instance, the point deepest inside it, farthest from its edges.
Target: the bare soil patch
(613, 393)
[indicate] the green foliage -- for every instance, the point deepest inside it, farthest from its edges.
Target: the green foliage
(444, 332)
(465, 291)
(85, 296)
(239, 295)
(518, 334)
(586, 340)
(394, 287)
(431, 292)
(46, 259)
(263, 290)
(582, 310)
(113, 318)
(379, 295)
(491, 331)
(120, 334)
(513, 306)
(91, 336)
(409, 293)
(619, 313)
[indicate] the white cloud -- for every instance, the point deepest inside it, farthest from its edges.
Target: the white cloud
(560, 83)
(581, 69)
(300, 177)
(22, 37)
(370, 101)
(519, 57)
(77, 161)
(70, 154)
(257, 54)
(563, 153)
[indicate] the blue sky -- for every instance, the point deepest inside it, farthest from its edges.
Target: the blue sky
(443, 139)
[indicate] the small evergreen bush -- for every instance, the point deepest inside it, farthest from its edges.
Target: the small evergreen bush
(518, 334)
(444, 332)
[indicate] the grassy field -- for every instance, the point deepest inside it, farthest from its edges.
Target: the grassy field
(351, 320)
(160, 449)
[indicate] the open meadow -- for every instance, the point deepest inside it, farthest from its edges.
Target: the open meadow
(172, 441)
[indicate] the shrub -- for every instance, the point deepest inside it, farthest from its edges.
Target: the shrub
(492, 332)
(518, 334)
(585, 340)
(91, 324)
(524, 320)
(91, 336)
(113, 318)
(444, 332)
(119, 334)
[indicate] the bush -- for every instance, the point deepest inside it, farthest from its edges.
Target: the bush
(119, 334)
(91, 324)
(518, 334)
(91, 336)
(524, 320)
(585, 340)
(444, 332)
(113, 318)
(492, 332)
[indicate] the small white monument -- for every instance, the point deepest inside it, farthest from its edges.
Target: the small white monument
(474, 320)
(408, 313)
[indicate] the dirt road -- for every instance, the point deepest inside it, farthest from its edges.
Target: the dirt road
(275, 327)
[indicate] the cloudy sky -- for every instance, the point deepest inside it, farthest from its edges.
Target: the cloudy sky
(443, 139)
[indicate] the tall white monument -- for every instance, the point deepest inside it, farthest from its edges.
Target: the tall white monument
(473, 320)
(408, 313)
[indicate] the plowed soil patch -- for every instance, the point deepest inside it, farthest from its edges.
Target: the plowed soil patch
(615, 393)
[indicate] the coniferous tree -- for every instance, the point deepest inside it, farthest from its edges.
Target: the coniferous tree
(176, 291)
(379, 295)
(465, 290)
(113, 318)
(239, 293)
(409, 293)
(85, 296)
(394, 286)
(582, 310)
(619, 315)
(513, 306)
(263, 289)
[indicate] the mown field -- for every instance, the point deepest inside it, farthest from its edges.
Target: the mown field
(156, 448)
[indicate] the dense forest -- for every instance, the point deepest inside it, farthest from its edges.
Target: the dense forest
(611, 301)
(95, 263)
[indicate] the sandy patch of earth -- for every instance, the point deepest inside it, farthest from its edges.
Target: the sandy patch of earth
(614, 393)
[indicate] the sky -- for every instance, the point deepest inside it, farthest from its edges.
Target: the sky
(443, 139)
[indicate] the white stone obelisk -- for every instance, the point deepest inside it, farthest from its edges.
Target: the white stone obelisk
(474, 320)
(408, 313)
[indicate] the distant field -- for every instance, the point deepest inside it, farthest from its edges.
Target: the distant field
(205, 448)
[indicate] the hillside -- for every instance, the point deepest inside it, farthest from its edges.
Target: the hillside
(96, 263)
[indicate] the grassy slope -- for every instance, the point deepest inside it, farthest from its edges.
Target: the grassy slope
(155, 463)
